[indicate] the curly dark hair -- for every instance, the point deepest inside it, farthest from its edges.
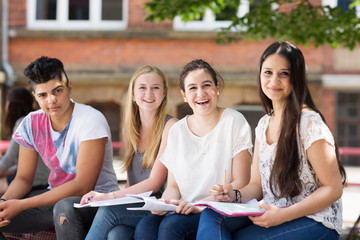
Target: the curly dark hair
(45, 69)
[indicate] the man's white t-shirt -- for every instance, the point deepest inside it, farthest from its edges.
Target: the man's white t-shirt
(59, 150)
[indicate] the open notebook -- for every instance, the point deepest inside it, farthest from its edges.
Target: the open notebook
(250, 208)
(128, 199)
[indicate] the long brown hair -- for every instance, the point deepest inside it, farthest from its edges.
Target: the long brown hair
(285, 170)
(132, 123)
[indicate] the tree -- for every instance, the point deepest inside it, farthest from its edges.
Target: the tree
(298, 21)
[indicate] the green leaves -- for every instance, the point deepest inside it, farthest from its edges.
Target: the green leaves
(301, 23)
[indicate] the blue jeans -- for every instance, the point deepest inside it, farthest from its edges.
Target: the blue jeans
(216, 226)
(31, 220)
(72, 223)
(213, 225)
(116, 222)
(170, 226)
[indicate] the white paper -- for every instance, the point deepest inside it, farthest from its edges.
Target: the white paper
(155, 205)
(233, 209)
(254, 203)
(129, 198)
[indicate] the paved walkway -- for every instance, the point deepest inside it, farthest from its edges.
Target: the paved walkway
(121, 176)
(351, 198)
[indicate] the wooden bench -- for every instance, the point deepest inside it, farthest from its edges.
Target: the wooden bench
(43, 235)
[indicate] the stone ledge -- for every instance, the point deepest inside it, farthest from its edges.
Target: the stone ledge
(21, 32)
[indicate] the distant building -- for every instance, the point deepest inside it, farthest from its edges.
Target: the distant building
(103, 42)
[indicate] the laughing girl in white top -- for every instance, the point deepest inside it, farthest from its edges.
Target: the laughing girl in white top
(199, 148)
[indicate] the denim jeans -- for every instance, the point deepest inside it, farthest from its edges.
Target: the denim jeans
(170, 226)
(121, 232)
(213, 225)
(72, 223)
(31, 220)
(216, 226)
(116, 222)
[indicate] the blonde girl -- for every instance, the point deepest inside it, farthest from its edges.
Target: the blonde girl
(145, 130)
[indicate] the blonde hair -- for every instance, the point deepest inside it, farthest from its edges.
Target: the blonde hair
(132, 123)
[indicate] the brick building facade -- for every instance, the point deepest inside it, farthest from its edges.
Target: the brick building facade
(100, 60)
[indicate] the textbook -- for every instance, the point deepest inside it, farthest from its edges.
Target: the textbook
(155, 205)
(128, 199)
(250, 208)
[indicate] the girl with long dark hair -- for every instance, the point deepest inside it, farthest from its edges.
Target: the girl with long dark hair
(296, 169)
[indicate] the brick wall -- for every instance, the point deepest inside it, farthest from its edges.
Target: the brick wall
(17, 14)
(137, 16)
(328, 109)
(236, 57)
(328, 61)
(156, 44)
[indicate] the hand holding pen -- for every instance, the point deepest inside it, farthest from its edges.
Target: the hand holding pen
(93, 196)
(222, 193)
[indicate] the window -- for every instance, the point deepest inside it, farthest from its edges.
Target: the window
(252, 113)
(210, 21)
(348, 123)
(77, 14)
(341, 3)
(344, 4)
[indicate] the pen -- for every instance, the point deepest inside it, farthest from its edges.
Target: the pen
(224, 178)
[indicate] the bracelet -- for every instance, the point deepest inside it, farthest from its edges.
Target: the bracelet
(3, 199)
(114, 195)
(238, 196)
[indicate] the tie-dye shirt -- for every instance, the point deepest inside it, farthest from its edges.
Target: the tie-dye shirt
(59, 150)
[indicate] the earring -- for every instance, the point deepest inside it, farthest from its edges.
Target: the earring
(134, 100)
(184, 99)
(218, 93)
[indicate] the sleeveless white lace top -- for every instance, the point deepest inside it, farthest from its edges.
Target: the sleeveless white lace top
(312, 128)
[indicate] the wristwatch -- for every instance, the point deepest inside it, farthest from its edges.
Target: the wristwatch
(238, 196)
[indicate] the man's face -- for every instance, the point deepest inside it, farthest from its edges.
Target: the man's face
(53, 98)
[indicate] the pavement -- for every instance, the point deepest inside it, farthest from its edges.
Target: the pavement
(351, 199)
(351, 194)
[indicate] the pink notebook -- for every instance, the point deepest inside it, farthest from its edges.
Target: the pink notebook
(232, 209)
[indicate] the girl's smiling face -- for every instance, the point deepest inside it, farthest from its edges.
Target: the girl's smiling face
(200, 91)
(149, 91)
(275, 78)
